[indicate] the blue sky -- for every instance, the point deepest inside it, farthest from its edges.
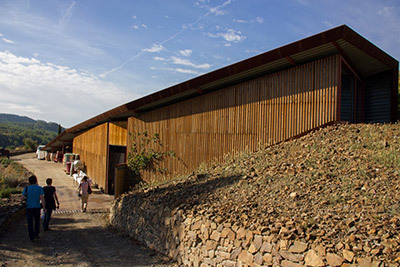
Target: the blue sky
(66, 61)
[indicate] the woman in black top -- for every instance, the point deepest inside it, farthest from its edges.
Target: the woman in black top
(51, 198)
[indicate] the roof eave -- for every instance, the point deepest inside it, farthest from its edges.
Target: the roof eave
(176, 92)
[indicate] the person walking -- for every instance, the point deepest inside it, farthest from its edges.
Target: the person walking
(34, 195)
(76, 166)
(84, 191)
(50, 196)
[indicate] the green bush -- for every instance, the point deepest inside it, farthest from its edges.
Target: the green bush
(11, 181)
(17, 167)
(30, 144)
(6, 192)
(141, 155)
(5, 161)
(15, 175)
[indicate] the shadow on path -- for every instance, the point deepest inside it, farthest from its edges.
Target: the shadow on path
(77, 239)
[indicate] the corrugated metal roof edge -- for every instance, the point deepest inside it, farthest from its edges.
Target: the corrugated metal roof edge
(340, 32)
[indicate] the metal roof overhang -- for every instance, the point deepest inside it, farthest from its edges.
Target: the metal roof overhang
(365, 56)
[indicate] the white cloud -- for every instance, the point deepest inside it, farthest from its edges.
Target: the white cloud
(134, 17)
(137, 27)
(154, 49)
(185, 62)
(230, 36)
(186, 71)
(186, 52)
(328, 24)
(240, 21)
(233, 36)
(24, 108)
(253, 51)
(159, 58)
(386, 11)
(66, 16)
(1, 35)
(218, 10)
(30, 87)
(8, 41)
(256, 20)
(260, 20)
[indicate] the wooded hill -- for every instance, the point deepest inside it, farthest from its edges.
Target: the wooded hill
(20, 131)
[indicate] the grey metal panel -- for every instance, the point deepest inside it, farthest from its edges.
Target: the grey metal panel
(347, 99)
(378, 98)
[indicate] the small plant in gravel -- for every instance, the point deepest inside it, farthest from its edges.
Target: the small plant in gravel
(203, 168)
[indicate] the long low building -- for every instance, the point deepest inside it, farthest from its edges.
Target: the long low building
(336, 75)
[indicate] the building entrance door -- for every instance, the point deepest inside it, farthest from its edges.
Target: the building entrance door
(116, 156)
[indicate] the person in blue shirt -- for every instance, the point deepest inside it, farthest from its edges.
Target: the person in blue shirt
(33, 194)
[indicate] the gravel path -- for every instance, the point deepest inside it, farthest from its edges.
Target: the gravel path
(76, 238)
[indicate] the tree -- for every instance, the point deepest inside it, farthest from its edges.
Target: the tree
(30, 144)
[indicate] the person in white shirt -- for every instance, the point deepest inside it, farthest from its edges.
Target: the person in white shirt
(84, 191)
(76, 166)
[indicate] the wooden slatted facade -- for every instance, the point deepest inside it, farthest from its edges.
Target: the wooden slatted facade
(255, 113)
(332, 76)
(92, 146)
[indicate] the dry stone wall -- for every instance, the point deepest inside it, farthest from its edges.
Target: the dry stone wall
(330, 198)
(196, 240)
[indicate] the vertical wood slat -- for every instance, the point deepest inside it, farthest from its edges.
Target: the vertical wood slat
(265, 110)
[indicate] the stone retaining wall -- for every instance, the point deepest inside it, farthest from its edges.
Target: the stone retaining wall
(197, 240)
(9, 216)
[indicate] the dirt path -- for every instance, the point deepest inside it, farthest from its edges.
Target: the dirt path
(76, 238)
(66, 188)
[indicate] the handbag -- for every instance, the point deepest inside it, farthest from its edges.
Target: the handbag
(23, 202)
(89, 189)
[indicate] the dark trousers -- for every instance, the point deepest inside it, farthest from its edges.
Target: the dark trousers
(46, 220)
(33, 217)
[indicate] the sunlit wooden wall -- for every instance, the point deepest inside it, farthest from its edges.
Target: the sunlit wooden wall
(117, 133)
(248, 115)
(92, 147)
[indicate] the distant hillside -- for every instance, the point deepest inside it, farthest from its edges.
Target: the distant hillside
(15, 118)
(21, 131)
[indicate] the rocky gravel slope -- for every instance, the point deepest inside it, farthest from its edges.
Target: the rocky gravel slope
(336, 189)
